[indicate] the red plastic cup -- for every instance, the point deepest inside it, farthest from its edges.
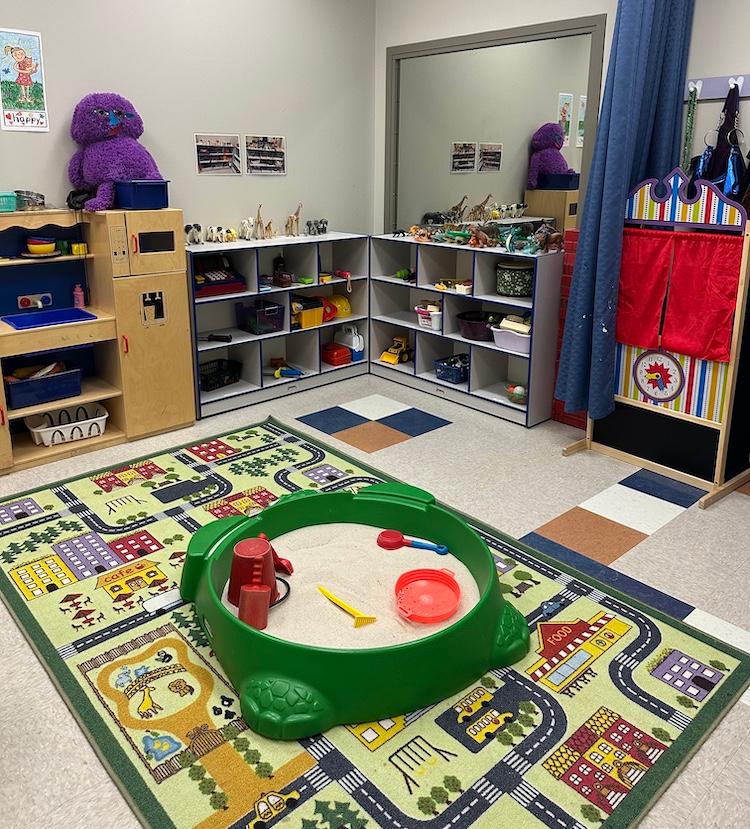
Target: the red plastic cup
(255, 600)
(252, 563)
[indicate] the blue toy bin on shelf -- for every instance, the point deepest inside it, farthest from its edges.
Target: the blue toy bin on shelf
(142, 194)
(23, 393)
(558, 181)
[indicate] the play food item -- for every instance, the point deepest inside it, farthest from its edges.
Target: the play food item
(39, 246)
(360, 619)
(393, 540)
(427, 596)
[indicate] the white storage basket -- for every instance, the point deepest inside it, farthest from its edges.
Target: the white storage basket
(428, 319)
(66, 425)
(512, 340)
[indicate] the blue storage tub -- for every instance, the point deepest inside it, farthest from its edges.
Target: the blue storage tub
(44, 389)
(558, 181)
(453, 373)
(142, 194)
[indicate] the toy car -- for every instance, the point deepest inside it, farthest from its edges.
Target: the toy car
(550, 608)
(488, 724)
(465, 708)
(398, 352)
(270, 804)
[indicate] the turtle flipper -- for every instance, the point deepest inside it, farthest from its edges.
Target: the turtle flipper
(284, 709)
(512, 642)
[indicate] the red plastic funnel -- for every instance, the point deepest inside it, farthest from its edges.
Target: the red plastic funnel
(427, 596)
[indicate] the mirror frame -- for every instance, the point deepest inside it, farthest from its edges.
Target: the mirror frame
(593, 25)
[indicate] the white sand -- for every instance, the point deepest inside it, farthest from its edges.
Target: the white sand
(345, 559)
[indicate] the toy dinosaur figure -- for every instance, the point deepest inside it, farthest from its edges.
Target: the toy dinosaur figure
(479, 211)
(292, 222)
(479, 239)
(456, 213)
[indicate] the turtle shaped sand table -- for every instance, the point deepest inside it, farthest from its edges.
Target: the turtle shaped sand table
(290, 676)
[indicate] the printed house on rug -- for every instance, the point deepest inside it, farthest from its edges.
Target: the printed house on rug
(125, 475)
(241, 503)
(604, 758)
(128, 580)
(687, 675)
(16, 510)
(87, 554)
(44, 575)
(568, 649)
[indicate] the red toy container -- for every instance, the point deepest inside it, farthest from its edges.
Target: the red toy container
(252, 563)
(255, 601)
(335, 354)
(427, 596)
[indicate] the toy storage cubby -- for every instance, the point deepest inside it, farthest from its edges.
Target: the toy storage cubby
(392, 303)
(304, 256)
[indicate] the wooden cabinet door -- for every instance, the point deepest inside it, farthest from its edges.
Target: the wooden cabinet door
(155, 241)
(6, 452)
(156, 353)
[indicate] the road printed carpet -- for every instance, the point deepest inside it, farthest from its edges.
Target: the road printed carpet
(586, 730)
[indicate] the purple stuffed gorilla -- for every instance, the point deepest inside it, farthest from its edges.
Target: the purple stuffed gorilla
(107, 127)
(545, 153)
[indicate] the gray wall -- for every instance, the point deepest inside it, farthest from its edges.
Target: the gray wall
(299, 69)
(504, 94)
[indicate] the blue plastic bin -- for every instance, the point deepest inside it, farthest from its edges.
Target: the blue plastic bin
(44, 389)
(142, 194)
(558, 181)
(451, 373)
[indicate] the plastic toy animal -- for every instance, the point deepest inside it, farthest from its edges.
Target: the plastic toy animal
(107, 127)
(456, 213)
(545, 153)
(246, 228)
(433, 219)
(548, 239)
(399, 232)
(259, 229)
(230, 235)
(193, 234)
(292, 222)
(478, 213)
(268, 230)
(215, 233)
(479, 239)
(311, 229)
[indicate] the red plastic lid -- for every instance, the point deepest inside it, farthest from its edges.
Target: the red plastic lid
(427, 596)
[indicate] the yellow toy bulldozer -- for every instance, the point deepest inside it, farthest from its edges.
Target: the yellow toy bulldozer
(398, 352)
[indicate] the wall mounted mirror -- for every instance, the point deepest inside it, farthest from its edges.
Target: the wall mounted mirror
(461, 113)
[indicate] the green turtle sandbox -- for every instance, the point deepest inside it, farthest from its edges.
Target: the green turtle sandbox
(289, 691)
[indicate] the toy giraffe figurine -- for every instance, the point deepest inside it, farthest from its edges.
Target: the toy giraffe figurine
(259, 230)
(456, 213)
(292, 222)
(269, 232)
(478, 213)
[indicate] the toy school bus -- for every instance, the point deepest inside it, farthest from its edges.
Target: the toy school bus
(471, 703)
(487, 725)
(270, 804)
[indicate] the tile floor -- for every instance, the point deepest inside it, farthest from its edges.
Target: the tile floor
(689, 560)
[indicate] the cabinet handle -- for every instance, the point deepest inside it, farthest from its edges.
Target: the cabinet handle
(2, 416)
(125, 344)
(134, 242)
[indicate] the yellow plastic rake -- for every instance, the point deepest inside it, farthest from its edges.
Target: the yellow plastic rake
(360, 619)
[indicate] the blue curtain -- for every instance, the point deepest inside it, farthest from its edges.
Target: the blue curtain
(638, 137)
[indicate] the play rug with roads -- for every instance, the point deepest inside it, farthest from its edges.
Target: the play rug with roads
(589, 727)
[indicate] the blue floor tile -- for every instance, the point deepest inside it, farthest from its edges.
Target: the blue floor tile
(413, 422)
(631, 587)
(660, 486)
(332, 420)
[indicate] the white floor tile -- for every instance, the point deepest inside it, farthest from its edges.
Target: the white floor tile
(634, 509)
(725, 631)
(375, 406)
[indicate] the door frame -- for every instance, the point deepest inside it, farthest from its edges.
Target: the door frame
(593, 25)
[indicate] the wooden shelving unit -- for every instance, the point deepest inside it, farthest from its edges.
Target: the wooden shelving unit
(392, 304)
(14, 262)
(307, 256)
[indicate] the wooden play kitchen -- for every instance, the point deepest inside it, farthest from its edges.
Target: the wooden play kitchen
(682, 339)
(116, 370)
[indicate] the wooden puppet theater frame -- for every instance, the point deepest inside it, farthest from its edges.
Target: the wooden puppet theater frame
(682, 385)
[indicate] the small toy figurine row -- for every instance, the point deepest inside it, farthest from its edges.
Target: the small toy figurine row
(316, 227)
(521, 237)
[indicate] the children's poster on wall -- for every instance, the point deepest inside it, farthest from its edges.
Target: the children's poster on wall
(265, 155)
(218, 154)
(463, 156)
(581, 120)
(490, 157)
(22, 87)
(565, 114)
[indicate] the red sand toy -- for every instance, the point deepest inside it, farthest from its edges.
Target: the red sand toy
(427, 596)
(393, 539)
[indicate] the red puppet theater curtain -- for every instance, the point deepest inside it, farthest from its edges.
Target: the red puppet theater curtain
(644, 273)
(702, 295)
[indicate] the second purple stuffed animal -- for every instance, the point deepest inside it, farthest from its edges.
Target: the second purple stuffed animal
(545, 153)
(107, 127)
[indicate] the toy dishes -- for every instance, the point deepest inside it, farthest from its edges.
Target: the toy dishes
(393, 540)
(427, 596)
(40, 245)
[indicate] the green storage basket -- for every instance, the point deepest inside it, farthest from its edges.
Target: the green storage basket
(7, 202)
(515, 278)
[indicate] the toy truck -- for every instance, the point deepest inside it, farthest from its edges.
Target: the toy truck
(398, 352)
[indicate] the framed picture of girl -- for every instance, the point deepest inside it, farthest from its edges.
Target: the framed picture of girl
(23, 100)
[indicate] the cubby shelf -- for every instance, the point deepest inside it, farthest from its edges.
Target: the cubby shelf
(93, 390)
(392, 304)
(306, 256)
